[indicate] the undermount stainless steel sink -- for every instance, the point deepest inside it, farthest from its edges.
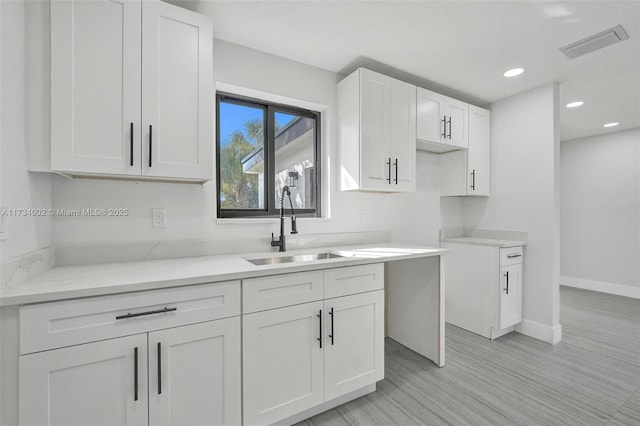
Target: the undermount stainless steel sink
(290, 259)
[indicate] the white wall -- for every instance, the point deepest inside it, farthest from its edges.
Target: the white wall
(18, 188)
(191, 209)
(524, 197)
(600, 212)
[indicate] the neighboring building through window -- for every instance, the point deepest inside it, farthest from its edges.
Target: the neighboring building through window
(262, 147)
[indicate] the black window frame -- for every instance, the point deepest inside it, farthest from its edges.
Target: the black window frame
(271, 206)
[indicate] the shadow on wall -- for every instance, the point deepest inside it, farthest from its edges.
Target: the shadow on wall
(474, 211)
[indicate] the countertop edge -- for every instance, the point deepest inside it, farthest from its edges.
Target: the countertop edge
(484, 242)
(22, 295)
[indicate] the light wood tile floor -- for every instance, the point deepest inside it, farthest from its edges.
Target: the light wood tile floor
(591, 378)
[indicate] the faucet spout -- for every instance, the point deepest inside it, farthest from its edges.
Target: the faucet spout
(281, 242)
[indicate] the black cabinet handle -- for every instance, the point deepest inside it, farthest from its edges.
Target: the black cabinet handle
(396, 164)
(131, 144)
(320, 322)
(150, 142)
(135, 373)
(511, 256)
(473, 180)
(389, 174)
(159, 368)
(507, 275)
(140, 314)
(331, 335)
(449, 128)
(444, 127)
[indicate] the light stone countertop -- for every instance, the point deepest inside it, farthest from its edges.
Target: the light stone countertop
(68, 282)
(484, 242)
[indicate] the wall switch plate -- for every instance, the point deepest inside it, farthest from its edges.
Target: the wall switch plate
(159, 218)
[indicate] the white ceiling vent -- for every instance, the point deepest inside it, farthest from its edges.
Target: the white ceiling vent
(595, 42)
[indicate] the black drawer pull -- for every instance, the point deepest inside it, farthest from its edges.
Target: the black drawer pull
(159, 368)
(331, 335)
(320, 322)
(511, 256)
(140, 314)
(135, 373)
(131, 144)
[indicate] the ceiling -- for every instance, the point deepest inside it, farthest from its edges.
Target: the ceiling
(459, 47)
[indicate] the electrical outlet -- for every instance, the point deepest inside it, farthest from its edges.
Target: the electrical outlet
(159, 218)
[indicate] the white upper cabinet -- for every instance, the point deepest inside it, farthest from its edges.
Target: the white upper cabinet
(403, 136)
(456, 114)
(95, 86)
(377, 132)
(131, 90)
(177, 92)
(442, 122)
(467, 172)
(374, 128)
(430, 116)
(478, 155)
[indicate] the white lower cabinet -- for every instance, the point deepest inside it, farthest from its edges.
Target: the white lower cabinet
(194, 374)
(298, 357)
(510, 296)
(283, 360)
(162, 357)
(101, 383)
(484, 288)
(193, 379)
(354, 348)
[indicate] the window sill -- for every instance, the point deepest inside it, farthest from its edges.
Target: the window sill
(268, 220)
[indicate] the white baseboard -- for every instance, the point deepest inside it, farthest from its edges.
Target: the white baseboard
(539, 331)
(601, 286)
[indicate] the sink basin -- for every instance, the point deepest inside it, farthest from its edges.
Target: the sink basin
(291, 259)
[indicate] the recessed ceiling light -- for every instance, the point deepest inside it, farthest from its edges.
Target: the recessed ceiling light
(513, 72)
(575, 104)
(611, 124)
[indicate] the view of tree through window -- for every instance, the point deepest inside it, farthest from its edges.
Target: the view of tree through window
(241, 134)
(262, 148)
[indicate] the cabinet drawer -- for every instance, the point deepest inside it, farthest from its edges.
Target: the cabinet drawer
(510, 256)
(259, 294)
(353, 279)
(71, 322)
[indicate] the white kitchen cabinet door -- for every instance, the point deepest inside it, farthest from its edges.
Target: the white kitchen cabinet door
(102, 383)
(95, 86)
(478, 154)
(374, 127)
(429, 116)
(402, 122)
(510, 295)
(456, 114)
(177, 92)
(354, 342)
(194, 374)
(282, 362)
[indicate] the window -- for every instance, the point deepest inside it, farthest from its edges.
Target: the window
(262, 147)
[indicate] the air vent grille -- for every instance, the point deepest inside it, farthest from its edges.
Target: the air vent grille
(595, 42)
